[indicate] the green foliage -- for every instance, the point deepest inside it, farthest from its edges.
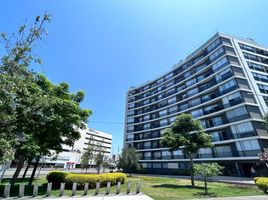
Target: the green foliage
(186, 134)
(99, 157)
(56, 177)
(262, 183)
(128, 160)
(206, 170)
(88, 154)
(6, 151)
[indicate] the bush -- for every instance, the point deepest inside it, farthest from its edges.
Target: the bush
(262, 183)
(56, 177)
(256, 178)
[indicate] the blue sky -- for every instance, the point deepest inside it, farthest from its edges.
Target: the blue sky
(106, 46)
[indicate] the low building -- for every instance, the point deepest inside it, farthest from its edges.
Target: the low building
(71, 155)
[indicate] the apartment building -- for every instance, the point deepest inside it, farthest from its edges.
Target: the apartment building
(71, 156)
(224, 84)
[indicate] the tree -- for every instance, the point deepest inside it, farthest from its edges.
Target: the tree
(48, 115)
(128, 160)
(99, 157)
(186, 134)
(88, 155)
(206, 170)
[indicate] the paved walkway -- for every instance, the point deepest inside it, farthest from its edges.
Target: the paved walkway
(223, 179)
(107, 197)
(264, 197)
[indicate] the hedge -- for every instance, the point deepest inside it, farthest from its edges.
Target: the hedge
(56, 177)
(262, 183)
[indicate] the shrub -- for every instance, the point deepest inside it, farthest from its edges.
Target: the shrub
(256, 178)
(81, 179)
(262, 183)
(56, 177)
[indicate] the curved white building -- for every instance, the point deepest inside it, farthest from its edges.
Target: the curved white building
(224, 84)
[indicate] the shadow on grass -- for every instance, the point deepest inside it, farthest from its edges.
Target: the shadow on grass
(174, 186)
(202, 194)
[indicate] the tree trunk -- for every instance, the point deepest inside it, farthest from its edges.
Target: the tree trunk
(18, 170)
(34, 170)
(26, 170)
(206, 187)
(192, 170)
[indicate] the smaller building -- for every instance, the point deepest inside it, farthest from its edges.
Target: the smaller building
(71, 156)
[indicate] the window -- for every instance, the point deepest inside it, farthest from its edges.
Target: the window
(231, 98)
(246, 47)
(216, 54)
(197, 113)
(242, 128)
(215, 136)
(146, 165)
(256, 66)
(205, 152)
(190, 82)
(172, 119)
(166, 154)
(210, 109)
(183, 106)
(147, 154)
(147, 101)
(147, 145)
(172, 100)
(248, 145)
(130, 137)
(171, 91)
(213, 45)
(146, 126)
(224, 75)
(131, 105)
(172, 109)
(263, 88)
(162, 113)
(146, 117)
(251, 57)
(223, 151)
(169, 76)
(169, 84)
(194, 102)
(130, 128)
(130, 120)
(260, 77)
(200, 67)
(163, 122)
(237, 112)
(160, 81)
(217, 121)
(227, 85)
(192, 92)
(178, 154)
(157, 155)
(220, 64)
(156, 165)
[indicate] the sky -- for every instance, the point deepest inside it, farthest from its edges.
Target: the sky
(106, 46)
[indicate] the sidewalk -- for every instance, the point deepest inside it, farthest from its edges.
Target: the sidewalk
(265, 197)
(106, 197)
(223, 179)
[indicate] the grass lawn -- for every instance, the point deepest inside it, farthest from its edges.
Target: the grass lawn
(159, 188)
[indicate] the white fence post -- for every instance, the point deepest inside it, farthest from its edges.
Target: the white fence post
(128, 187)
(7, 191)
(138, 187)
(62, 187)
(21, 190)
(85, 189)
(97, 188)
(49, 187)
(74, 189)
(35, 190)
(108, 188)
(118, 187)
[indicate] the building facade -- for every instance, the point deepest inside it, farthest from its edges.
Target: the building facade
(224, 84)
(71, 156)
